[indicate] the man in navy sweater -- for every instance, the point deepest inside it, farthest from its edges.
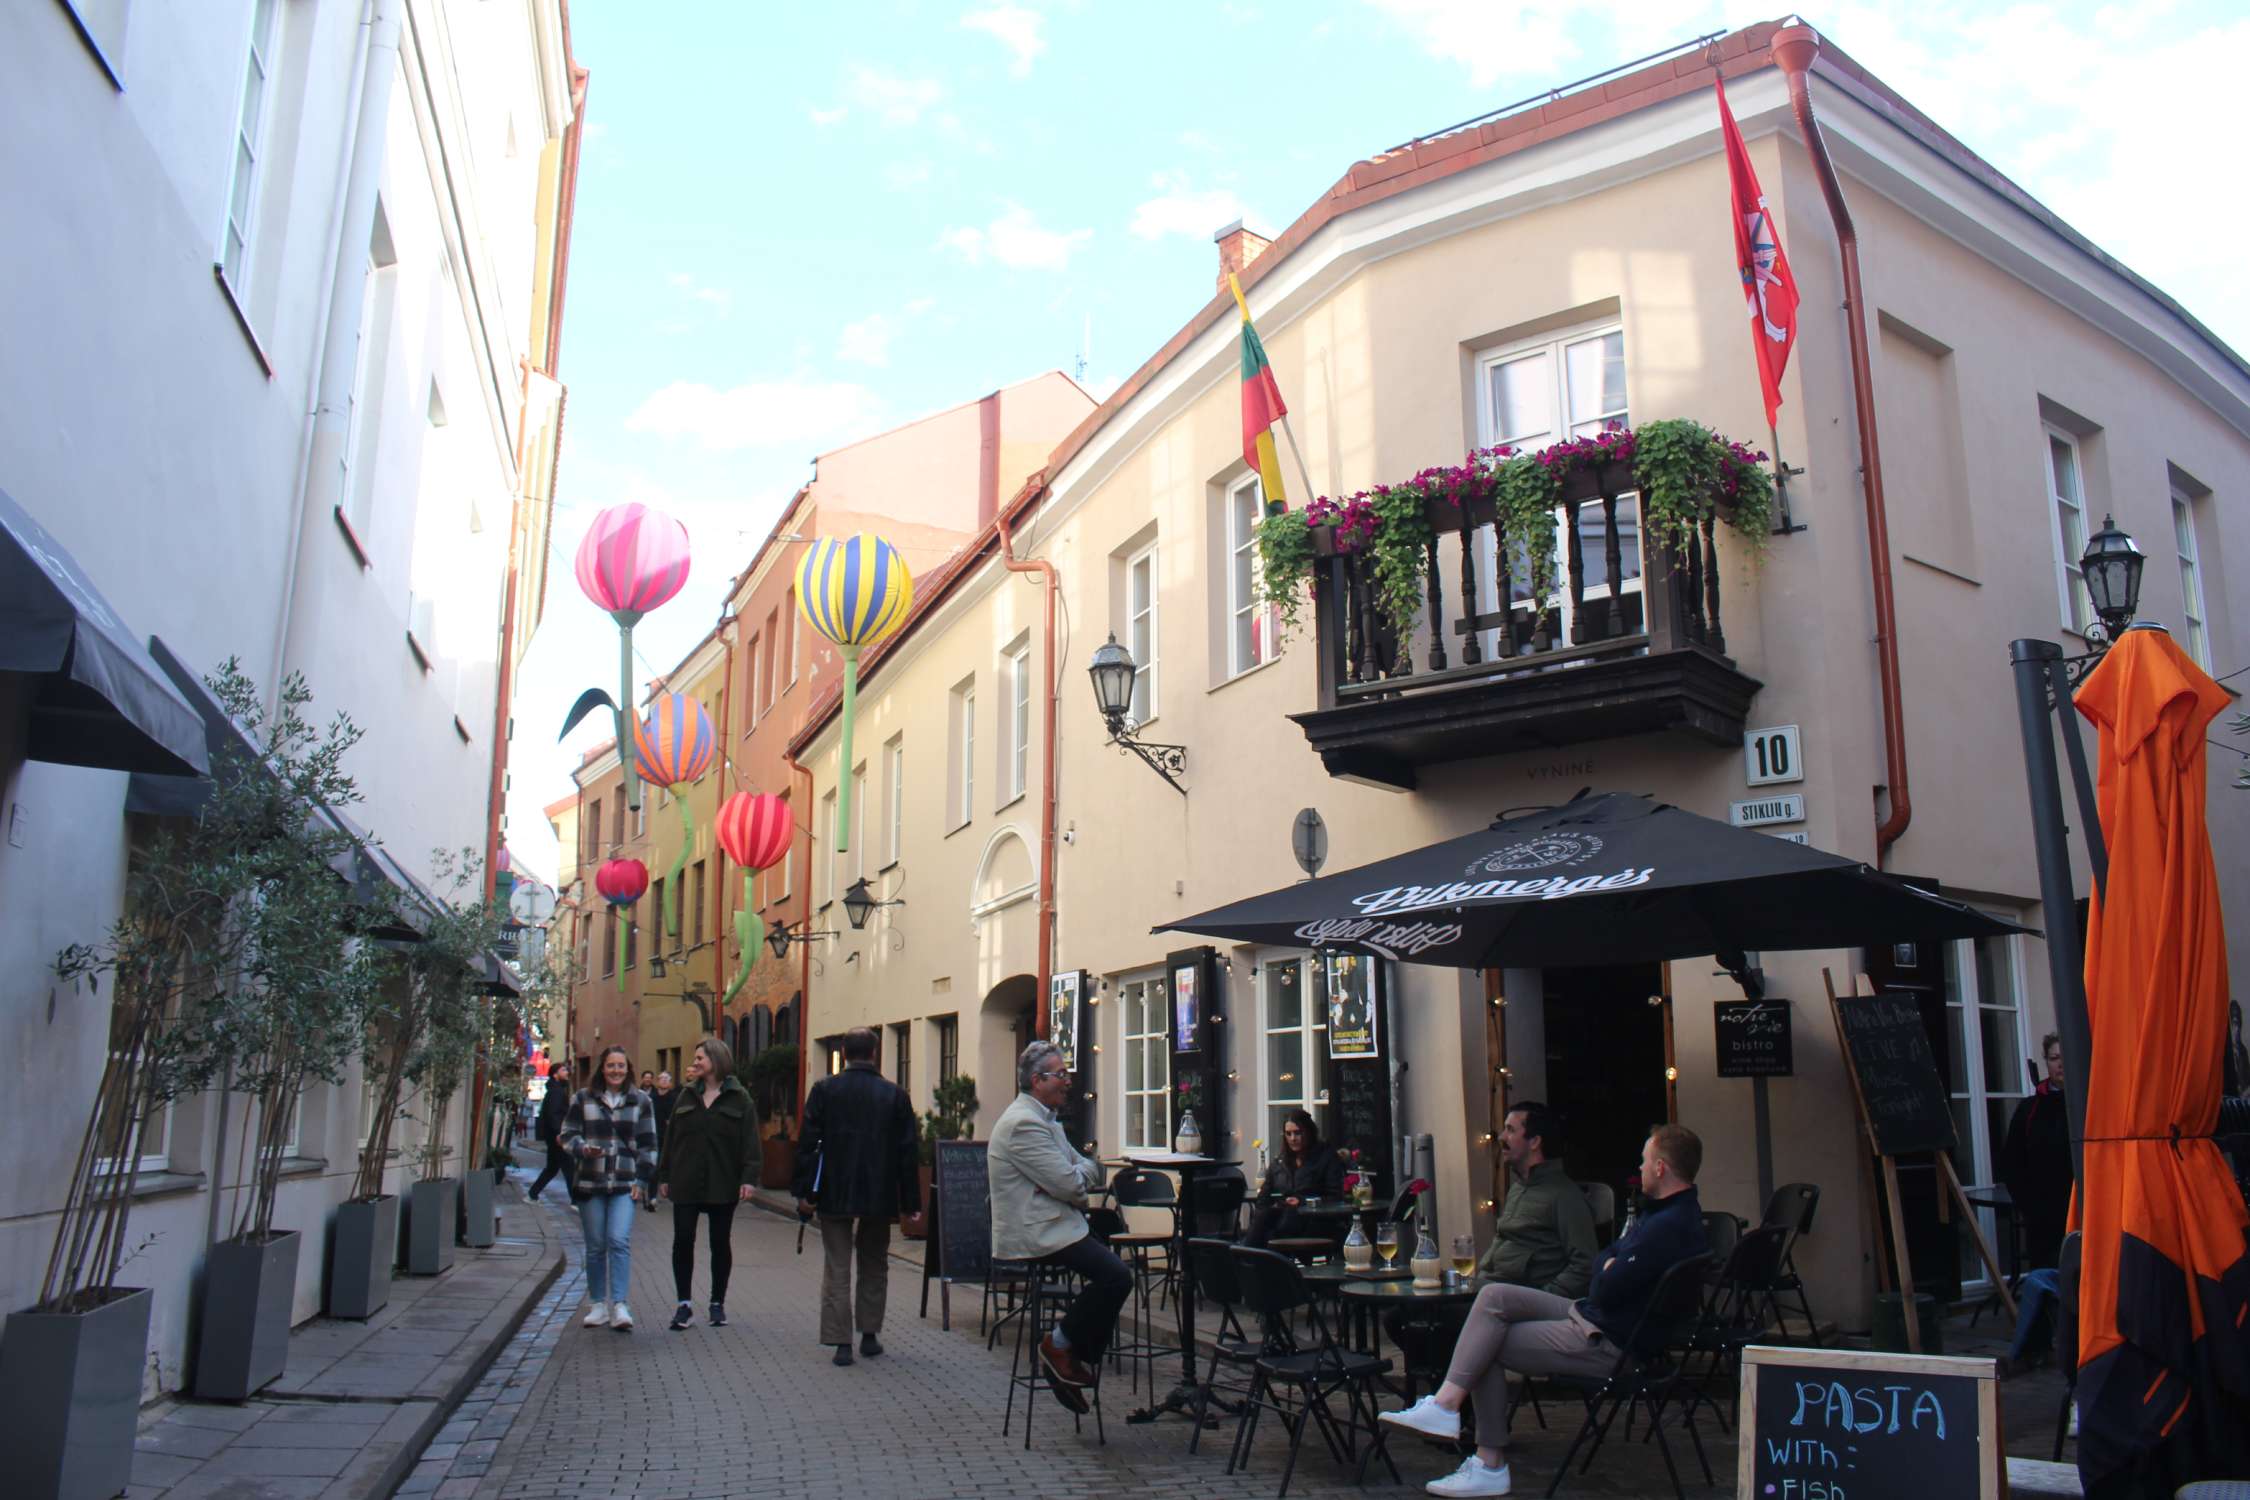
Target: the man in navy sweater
(1533, 1332)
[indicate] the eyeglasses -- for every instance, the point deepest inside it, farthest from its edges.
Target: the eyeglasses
(1051, 1075)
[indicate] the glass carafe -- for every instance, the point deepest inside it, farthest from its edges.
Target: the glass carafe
(1359, 1250)
(1428, 1269)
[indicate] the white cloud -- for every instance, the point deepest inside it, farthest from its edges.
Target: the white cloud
(710, 296)
(827, 117)
(866, 342)
(896, 100)
(1492, 41)
(1016, 239)
(760, 414)
(1014, 28)
(920, 305)
(1178, 209)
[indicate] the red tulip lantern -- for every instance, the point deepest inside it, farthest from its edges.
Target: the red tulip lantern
(755, 829)
(622, 881)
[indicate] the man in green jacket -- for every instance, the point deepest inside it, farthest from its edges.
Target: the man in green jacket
(1545, 1235)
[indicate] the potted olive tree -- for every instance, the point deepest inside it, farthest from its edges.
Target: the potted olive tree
(448, 967)
(953, 1118)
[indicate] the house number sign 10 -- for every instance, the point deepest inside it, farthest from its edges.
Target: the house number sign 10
(1772, 755)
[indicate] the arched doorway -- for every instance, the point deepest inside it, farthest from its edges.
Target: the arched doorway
(1004, 1029)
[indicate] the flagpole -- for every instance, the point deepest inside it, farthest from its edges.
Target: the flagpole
(1241, 305)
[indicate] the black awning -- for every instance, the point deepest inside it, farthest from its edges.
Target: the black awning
(99, 700)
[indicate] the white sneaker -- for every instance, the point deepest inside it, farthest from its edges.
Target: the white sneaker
(2074, 1419)
(621, 1317)
(1426, 1416)
(597, 1316)
(1472, 1478)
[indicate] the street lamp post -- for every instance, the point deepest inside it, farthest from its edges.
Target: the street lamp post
(779, 937)
(2111, 565)
(1112, 671)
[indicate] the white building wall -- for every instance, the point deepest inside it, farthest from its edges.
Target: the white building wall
(159, 428)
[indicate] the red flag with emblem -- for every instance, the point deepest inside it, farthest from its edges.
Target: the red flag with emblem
(1767, 286)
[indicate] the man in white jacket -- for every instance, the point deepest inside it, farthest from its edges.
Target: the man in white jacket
(1039, 1184)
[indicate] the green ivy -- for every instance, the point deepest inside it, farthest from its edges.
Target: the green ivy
(1676, 465)
(1285, 563)
(1525, 493)
(1399, 554)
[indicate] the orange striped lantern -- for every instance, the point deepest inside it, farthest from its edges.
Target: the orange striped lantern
(755, 829)
(675, 742)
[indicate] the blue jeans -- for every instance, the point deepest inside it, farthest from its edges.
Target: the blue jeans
(2038, 1290)
(609, 1245)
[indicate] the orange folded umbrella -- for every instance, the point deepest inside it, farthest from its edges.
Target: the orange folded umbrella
(2165, 1289)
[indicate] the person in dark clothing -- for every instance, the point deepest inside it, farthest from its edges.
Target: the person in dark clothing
(706, 1166)
(1304, 1168)
(1532, 1332)
(2035, 1162)
(551, 1107)
(661, 1098)
(856, 1169)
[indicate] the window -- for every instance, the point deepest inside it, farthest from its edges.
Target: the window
(1252, 630)
(753, 657)
(249, 146)
(1296, 1023)
(788, 863)
(632, 916)
(789, 634)
(894, 798)
(593, 830)
(617, 822)
(609, 944)
(824, 851)
(961, 778)
(702, 900)
(901, 1061)
(2066, 496)
(656, 889)
(363, 418)
(585, 944)
(773, 684)
(2194, 632)
(948, 1047)
(1140, 630)
(859, 821)
(1148, 1065)
(1984, 1009)
(1015, 748)
(640, 815)
(1528, 398)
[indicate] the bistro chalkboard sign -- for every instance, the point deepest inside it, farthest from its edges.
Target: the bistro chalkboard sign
(1754, 1038)
(1898, 1076)
(964, 1226)
(1831, 1424)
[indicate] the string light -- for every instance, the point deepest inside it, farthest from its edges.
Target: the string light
(1671, 1075)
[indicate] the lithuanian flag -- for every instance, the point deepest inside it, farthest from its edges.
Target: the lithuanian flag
(1261, 405)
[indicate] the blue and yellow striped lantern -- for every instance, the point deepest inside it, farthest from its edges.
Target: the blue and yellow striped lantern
(854, 591)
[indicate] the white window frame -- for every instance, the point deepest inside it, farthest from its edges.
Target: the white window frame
(894, 798)
(1142, 635)
(244, 176)
(859, 821)
(1312, 1042)
(1146, 1037)
(2076, 603)
(756, 654)
(1015, 750)
(1555, 348)
(2194, 606)
(965, 751)
(824, 850)
(1242, 612)
(1966, 1006)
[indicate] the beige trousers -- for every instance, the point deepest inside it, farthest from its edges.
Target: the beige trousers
(842, 1241)
(1531, 1332)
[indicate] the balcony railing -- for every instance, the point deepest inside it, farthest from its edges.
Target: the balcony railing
(1632, 640)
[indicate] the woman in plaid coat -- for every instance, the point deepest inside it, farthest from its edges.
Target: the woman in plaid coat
(610, 1131)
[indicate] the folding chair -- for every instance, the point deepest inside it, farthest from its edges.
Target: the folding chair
(1211, 1270)
(1791, 1208)
(1273, 1288)
(1645, 1374)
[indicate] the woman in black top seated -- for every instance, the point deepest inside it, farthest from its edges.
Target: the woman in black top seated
(1304, 1168)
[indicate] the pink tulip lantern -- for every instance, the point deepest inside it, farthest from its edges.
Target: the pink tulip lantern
(632, 560)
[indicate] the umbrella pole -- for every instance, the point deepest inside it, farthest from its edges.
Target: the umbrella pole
(2037, 664)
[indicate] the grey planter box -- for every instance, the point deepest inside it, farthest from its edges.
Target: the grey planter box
(248, 1289)
(71, 1386)
(429, 1225)
(476, 1209)
(360, 1257)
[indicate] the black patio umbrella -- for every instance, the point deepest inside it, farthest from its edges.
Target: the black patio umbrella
(1607, 878)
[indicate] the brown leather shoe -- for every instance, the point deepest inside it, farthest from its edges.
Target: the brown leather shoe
(1064, 1375)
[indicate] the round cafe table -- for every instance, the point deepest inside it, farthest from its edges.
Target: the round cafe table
(1374, 1298)
(1327, 1281)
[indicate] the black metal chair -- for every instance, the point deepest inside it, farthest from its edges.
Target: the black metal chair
(1733, 1316)
(1273, 1288)
(1210, 1269)
(1646, 1374)
(1792, 1208)
(1048, 1290)
(1214, 1205)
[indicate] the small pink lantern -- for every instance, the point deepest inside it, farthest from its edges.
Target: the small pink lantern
(632, 560)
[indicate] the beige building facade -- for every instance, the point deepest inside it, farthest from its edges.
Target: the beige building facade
(1540, 275)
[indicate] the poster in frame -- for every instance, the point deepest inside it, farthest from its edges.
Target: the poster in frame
(1351, 1006)
(1187, 1009)
(1066, 1010)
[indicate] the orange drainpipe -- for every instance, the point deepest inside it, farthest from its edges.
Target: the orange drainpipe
(1046, 572)
(804, 949)
(727, 625)
(1794, 48)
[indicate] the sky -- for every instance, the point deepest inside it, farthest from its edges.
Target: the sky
(798, 226)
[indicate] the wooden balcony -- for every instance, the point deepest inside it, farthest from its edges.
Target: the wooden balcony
(1633, 643)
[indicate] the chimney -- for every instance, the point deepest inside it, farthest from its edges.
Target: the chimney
(1237, 248)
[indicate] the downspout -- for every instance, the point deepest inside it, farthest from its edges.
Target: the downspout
(1046, 572)
(353, 222)
(1794, 48)
(804, 949)
(727, 622)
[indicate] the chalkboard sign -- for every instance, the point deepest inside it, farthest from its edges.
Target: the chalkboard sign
(1754, 1038)
(964, 1211)
(1829, 1424)
(1898, 1075)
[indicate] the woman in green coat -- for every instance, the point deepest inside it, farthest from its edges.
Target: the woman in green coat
(709, 1163)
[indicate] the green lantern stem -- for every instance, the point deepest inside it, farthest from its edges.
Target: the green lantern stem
(679, 863)
(743, 945)
(625, 716)
(844, 770)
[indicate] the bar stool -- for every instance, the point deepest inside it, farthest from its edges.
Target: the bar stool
(1048, 1289)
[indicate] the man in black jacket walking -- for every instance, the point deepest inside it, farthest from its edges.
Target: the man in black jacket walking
(856, 1169)
(551, 1107)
